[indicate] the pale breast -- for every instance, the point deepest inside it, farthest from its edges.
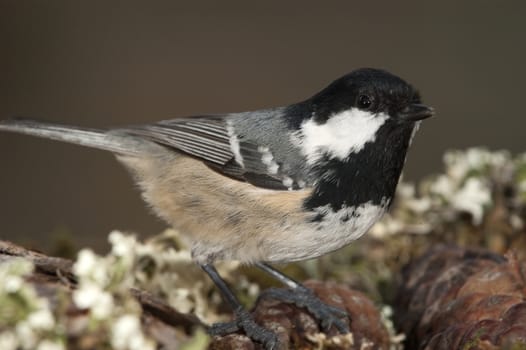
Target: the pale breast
(327, 231)
(232, 220)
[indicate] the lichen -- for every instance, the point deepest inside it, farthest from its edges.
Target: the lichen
(26, 319)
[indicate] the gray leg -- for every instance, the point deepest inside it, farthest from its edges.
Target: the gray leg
(289, 282)
(242, 319)
(301, 296)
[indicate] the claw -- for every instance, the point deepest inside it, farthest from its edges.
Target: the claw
(326, 315)
(244, 321)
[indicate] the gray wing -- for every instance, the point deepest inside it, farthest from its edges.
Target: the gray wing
(202, 137)
(213, 140)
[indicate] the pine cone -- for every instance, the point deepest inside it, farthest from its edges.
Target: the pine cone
(297, 329)
(456, 298)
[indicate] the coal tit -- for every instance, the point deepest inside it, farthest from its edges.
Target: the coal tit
(269, 186)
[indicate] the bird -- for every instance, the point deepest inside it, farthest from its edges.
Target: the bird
(269, 186)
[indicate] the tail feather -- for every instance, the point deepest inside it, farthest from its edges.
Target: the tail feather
(95, 138)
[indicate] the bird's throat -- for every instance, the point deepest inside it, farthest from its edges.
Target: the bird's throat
(368, 176)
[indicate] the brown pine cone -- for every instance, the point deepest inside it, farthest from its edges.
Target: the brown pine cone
(297, 329)
(456, 298)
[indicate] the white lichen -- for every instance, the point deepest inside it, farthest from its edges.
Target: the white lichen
(26, 319)
(179, 280)
(95, 298)
(8, 341)
(50, 345)
(472, 198)
(465, 187)
(126, 334)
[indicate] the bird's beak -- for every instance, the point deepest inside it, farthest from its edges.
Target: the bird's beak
(415, 112)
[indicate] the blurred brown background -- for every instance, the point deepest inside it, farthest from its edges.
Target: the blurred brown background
(100, 63)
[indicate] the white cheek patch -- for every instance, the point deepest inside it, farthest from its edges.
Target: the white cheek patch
(343, 133)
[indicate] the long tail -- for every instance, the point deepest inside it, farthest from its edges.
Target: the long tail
(95, 138)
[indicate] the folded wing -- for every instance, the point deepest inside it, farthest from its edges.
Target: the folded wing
(212, 140)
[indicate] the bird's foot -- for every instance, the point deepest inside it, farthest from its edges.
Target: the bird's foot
(326, 315)
(244, 322)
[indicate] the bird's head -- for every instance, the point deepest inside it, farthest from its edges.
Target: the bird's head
(351, 112)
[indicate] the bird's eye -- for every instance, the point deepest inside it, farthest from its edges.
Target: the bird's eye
(364, 101)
